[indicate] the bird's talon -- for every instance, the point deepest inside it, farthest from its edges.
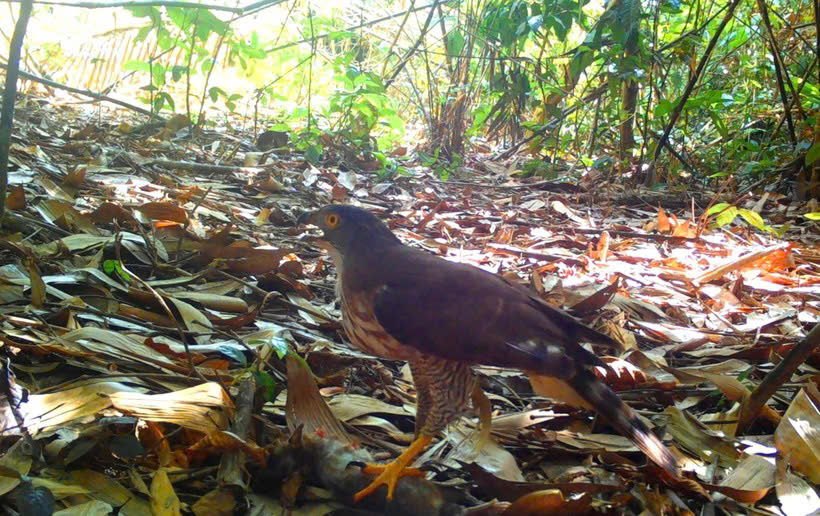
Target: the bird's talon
(377, 469)
(388, 475)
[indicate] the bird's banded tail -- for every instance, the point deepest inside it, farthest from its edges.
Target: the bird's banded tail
(588, 391)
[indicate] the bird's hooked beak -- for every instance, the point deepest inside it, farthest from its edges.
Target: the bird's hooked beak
(309, 217)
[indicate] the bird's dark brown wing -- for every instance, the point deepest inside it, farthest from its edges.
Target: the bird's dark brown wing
(462, 313)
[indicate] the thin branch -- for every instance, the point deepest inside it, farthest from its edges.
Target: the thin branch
(351, 29)
(781, 373)
(86, 93)
(690, 87)
(780, 71)
(9, 96)
(160, 3)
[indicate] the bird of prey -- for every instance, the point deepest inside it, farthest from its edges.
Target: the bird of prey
(402, 303)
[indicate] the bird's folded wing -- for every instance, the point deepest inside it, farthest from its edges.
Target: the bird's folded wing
(463, 313)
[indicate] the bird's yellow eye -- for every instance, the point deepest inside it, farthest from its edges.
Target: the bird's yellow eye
(332, 221)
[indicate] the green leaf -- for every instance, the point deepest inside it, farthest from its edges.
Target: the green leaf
(280, 346)
(234, 354)
(815, 215)
(313, 154)
(140, 66)
(158, 75)
(720, 123)
(813, 154)
(753, 218)
(726, 217)
(455, 42)
(664, 107)
(269, 386)
(114, 267)
(340, 34)
(179, 17)
(177, 72)
(215, 92)
(717, 208)
(143, 33)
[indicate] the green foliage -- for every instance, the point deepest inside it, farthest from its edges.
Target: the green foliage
(360, 104)
(309, 141)
(523, 65)
(268, 385)
(189, 29)
(441, 168)
(114, 268)
(540, 168)
(726, 214)
(813, 154)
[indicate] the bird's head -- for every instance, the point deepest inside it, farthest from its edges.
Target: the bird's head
(348, 229)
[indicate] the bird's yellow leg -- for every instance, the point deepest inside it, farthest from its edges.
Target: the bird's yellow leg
(389, 474)
(485, 415)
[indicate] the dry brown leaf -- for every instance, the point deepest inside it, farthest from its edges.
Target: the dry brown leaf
(205, 407)
(684, 230)
(549, 502)
(109, 212)
(45, 412)
(164, 500)
(269, 184)
(796, 496)
(510, 491)
(76, 177)
(741, 495)
(193, 320)
(305, 407)
(219, 502)
(177, 122)
(163, 211)
(154, 439)
(16, 199)
(38, 287)
(64, 214)
(262, 217)
(245, 260)
(55, 191)
(224, 441)
(621, 374)
(797, 436)
(339, 193)
(602, 249)
(695, 437)
(18, 459)
(214, 301)
(663, 221)
(110, 491)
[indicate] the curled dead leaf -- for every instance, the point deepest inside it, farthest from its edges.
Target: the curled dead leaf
(16, 200)
(163, 211)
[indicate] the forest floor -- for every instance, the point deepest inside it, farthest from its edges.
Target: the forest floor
(165, 312)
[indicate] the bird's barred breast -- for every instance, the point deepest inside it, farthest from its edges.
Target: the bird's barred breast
(365, 332)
